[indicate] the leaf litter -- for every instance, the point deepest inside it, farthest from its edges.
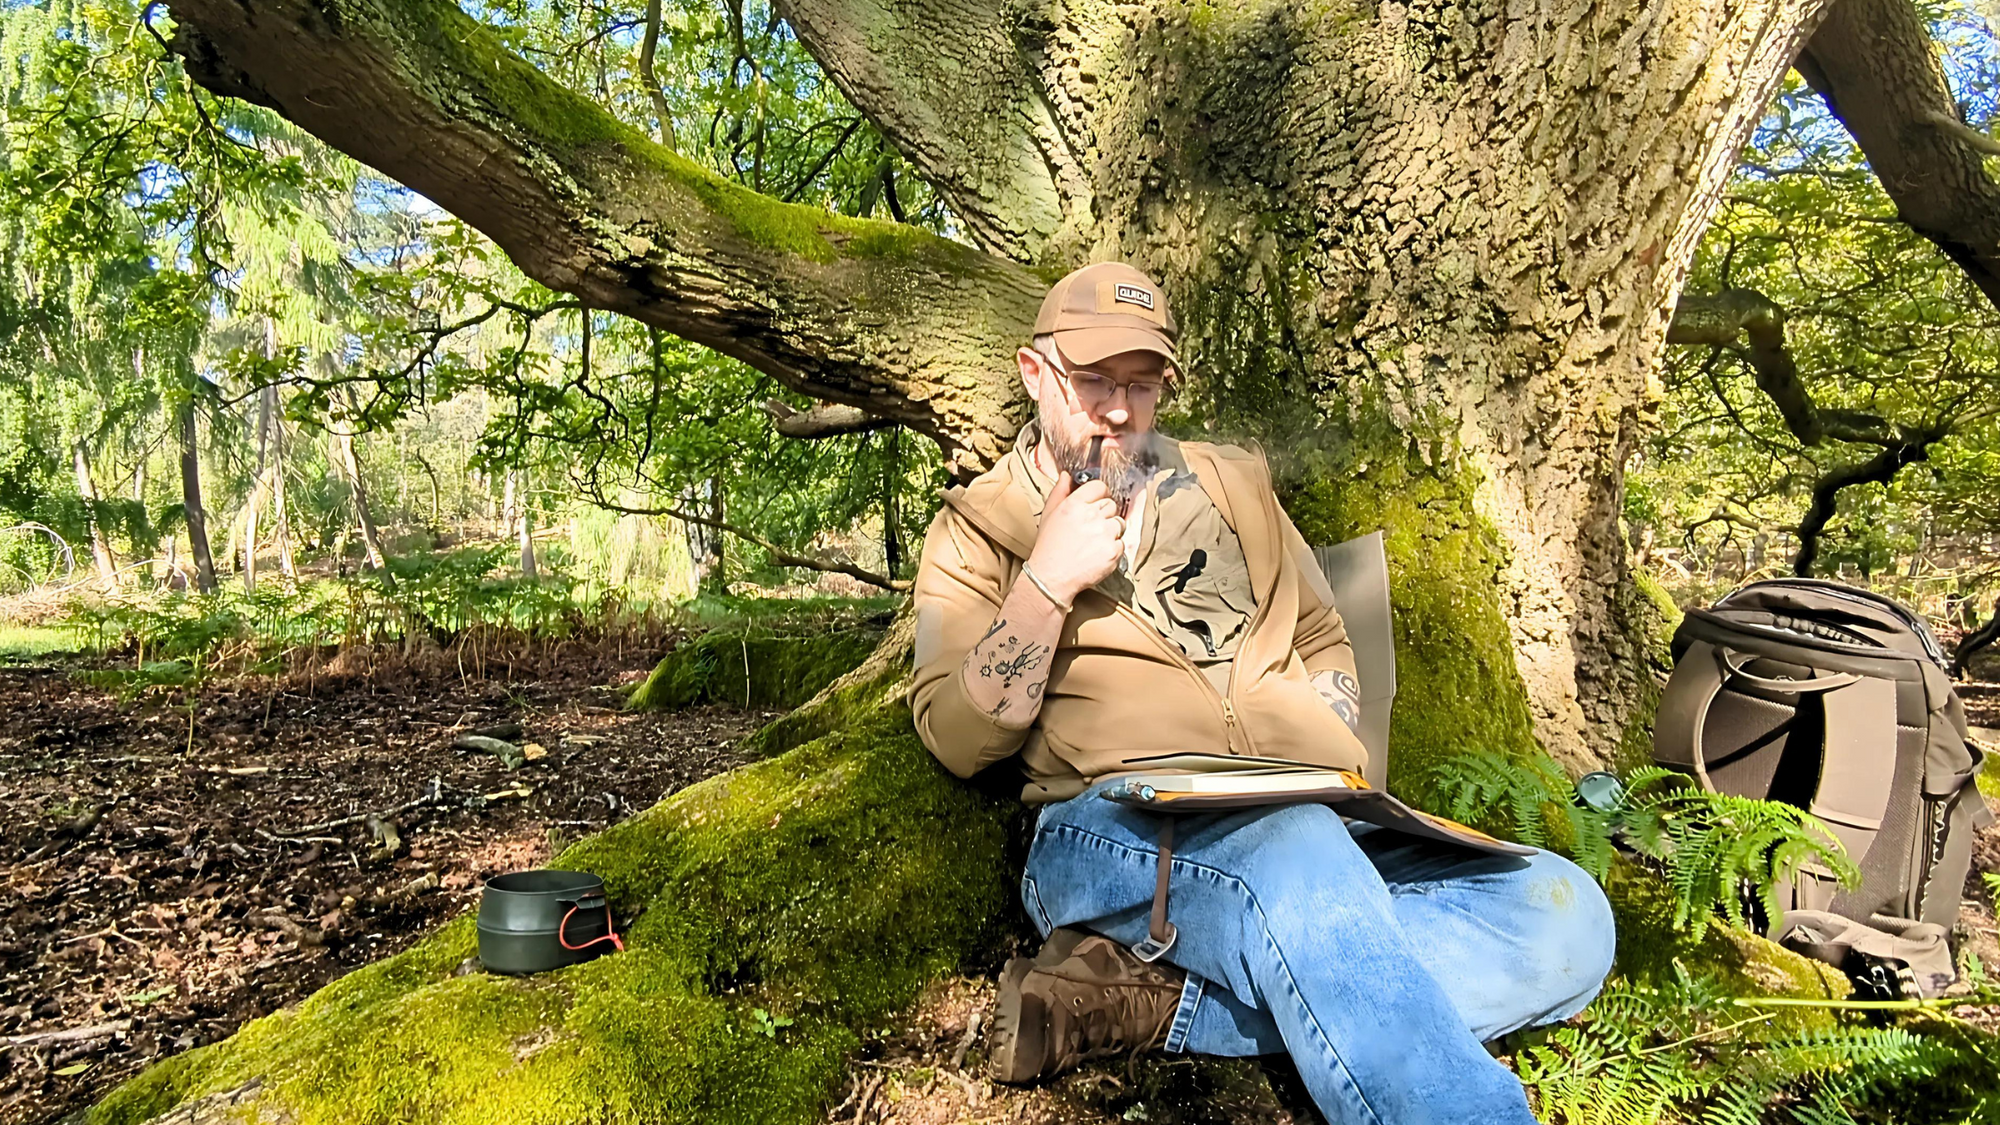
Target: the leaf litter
(180, 865)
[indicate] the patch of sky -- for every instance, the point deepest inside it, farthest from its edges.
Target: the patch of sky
(1801, 133)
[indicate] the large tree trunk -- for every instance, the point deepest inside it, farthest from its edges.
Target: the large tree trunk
(1453, 230)
(100, 544)
(1425, 254)
(197, 518)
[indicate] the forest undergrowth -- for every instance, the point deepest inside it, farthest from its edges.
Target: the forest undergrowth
(215, 804)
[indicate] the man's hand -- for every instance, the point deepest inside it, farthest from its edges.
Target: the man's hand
(1080, 538)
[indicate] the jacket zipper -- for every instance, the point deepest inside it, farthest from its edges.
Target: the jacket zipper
(1270, 505)
(1181, 658)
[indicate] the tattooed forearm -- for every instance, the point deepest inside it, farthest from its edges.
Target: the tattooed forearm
(1012, 661)
(1007, 671)
(1342, 694)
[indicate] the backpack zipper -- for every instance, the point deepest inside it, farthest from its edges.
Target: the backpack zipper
(1915, 624)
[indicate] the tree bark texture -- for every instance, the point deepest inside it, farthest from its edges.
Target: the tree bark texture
(197, 518)
(1470, 217)
(1466, 218)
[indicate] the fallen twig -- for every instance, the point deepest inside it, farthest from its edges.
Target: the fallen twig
(71, 1034)
(965, 1041)
(75, 828)
(433, 794)
(867, 1098)
(302, 935)
(298, 839)
(971, 1088)
(428, 881)
(108, 931)
(1854, 1005)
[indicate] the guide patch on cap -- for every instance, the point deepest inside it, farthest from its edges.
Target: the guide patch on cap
(1134, 295)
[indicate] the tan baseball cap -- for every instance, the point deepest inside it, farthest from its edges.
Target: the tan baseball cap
(1106, 309)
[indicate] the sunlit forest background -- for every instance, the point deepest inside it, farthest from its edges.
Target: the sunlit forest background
(266, 415)
(235, 364)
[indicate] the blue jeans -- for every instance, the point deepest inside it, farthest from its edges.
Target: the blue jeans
(1380, 962)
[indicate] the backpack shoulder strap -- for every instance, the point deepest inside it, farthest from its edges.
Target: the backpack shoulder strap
(1684, 705)
(1858, 793)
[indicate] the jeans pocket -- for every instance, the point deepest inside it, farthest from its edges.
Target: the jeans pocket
(1031, 900)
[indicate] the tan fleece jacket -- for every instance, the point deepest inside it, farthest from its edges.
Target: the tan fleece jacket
(1117, 690)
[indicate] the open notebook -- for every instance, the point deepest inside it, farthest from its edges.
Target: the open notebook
(1213, 783)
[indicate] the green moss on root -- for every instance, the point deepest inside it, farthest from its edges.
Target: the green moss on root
(753, 667)
(1458, 690)
(823, 885)
(1651, 949)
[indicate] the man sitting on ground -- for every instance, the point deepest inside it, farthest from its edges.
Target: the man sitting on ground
(1169, 606)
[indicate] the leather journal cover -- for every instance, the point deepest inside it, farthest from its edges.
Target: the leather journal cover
(1202, 783)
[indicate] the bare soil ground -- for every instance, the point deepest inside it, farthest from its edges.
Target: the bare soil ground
(153, 902)
(925, 1071)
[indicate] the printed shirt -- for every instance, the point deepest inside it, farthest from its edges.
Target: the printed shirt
(1183, 570)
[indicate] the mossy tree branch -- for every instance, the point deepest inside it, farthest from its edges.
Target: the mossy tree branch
(908, 325)
(947, 85)
(1719, 319)
(828, 419)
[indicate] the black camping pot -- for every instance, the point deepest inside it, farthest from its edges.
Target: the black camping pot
(532, 921)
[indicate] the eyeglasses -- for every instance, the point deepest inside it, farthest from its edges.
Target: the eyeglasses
(1095, 390)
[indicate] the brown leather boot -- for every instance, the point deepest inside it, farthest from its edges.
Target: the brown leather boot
(1082, 997)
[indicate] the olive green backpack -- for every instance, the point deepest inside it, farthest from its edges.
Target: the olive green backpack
(1836, 700)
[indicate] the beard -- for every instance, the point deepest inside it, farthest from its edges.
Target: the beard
(1124, 471)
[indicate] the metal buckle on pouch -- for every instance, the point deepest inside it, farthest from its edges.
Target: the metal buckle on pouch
(1148, 950)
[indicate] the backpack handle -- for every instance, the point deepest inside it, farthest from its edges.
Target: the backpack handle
(1684, 710)
(1732, 663)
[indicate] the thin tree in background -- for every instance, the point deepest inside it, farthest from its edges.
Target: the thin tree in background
(350, 463)
(260, 485)
(524, 522)
(197, 519)
(100, 545)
